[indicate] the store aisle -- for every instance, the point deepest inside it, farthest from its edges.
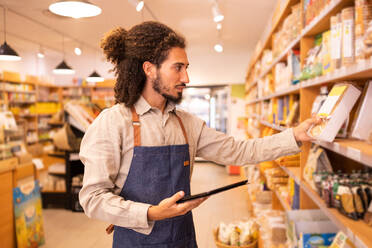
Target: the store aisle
(68, 229)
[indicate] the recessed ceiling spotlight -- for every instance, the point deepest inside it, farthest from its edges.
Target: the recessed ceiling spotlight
(219, 26)
(217, 15)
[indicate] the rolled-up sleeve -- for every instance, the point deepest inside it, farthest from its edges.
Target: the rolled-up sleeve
(100, 152)
(223, 149)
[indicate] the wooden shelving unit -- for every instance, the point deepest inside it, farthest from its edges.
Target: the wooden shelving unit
(352, 150)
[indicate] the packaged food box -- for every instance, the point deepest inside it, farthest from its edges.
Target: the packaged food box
(362, 125)
(310, 227)
(334, 111)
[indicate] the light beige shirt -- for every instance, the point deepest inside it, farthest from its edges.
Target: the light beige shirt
(107, 150)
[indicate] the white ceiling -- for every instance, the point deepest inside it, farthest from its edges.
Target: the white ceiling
(244, 22)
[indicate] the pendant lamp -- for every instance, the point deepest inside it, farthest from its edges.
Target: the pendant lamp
(6, 52)
(75, 9)
(63, 69)
(95, 78)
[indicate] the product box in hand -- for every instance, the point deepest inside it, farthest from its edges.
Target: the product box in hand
(362, 125)
(334, 111)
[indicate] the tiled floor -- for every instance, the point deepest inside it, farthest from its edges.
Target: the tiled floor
(74, 230)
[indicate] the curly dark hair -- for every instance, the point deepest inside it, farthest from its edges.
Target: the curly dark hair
(128, 50)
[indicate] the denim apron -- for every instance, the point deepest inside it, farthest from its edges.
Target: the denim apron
(157, 172)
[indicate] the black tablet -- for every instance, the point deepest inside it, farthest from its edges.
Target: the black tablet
(212, 192)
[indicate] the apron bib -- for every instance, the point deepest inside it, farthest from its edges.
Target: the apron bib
(157, 172)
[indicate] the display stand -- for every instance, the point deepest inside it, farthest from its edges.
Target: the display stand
(73, 167)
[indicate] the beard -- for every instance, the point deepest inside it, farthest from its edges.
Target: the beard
(159, 86)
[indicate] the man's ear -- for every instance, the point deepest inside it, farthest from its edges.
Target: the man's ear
(149, 69)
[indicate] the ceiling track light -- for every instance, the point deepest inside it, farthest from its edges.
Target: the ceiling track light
(94, 78)
(40, 53)
(6, 52)
(218, 48)
(138, 4)
(217, 15)
(78, 51)
(75, 9)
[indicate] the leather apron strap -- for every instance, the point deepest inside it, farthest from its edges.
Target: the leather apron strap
(137, 127)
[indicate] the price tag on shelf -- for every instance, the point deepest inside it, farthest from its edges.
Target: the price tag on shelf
(353, 153)
(350, 234)
(358, 243)
(336, 146)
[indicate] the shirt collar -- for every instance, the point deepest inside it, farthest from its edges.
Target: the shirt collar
(142, 106)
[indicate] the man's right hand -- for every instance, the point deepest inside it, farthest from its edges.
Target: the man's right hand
(168, 207)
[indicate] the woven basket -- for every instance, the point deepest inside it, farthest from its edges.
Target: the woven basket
(222, 245)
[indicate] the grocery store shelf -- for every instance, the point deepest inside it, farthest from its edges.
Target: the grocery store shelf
(321, 22)
(318, 25)
(20, 91)
(254, 115)
(46, 100)
(358, 231)
(281, 57)
(26, 115)
(285, 205)
(284, 13)
(360, 70)
(273, 126)
(294, 172)
(21, 102)
(291, 89)
(357, 150)
(251, 86)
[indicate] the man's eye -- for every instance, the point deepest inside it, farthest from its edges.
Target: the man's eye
(178, 68)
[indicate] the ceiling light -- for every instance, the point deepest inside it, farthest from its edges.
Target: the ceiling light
(218, 47)
(217, 16)
(94, 78)
(138, 4)
(40, 53)
(75, 9)
(77, 51)
(6, 52)
(219, 26)
(63, 69)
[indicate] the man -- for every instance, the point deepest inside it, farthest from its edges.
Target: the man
(138, 154)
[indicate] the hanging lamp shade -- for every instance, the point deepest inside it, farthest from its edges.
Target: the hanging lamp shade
(95, 77)
(7, 53)
(75, 9)
(63, 69)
